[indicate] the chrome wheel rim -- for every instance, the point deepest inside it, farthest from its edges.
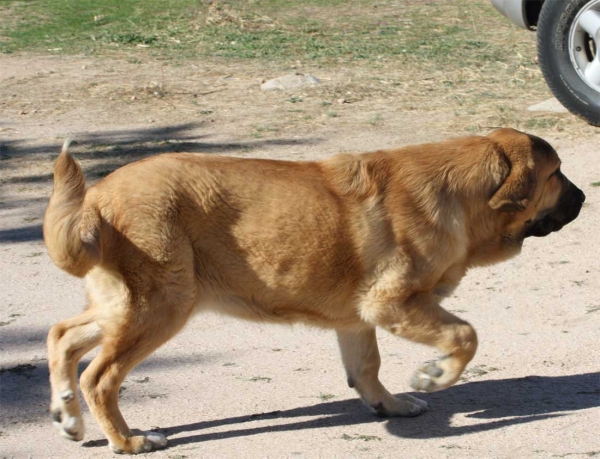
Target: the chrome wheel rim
(584, 44)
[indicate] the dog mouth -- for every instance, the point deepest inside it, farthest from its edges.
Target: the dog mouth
(543, 227)
(553, 220)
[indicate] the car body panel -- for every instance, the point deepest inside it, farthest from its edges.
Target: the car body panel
(518, 11)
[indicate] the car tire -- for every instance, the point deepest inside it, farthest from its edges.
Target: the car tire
(555, 26)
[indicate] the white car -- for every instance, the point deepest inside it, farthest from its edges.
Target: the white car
(568, 42)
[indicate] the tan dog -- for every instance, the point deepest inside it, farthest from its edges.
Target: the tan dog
(352, 243)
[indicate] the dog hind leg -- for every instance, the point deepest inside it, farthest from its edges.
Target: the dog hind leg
(68, 342)
(127, 345)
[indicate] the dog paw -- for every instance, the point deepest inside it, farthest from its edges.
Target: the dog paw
(157, 440)
(401, 406)
(422, 404)
(149, 441)
(70, 427)
(70, 424)
(435, 375)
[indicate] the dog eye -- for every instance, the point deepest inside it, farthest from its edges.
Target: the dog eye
(556, 173)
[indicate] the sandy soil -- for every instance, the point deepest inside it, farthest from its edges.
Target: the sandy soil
(224, 388)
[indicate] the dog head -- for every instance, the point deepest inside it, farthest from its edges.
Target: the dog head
(535, 197)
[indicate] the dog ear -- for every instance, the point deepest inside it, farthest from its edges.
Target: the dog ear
(514, 193)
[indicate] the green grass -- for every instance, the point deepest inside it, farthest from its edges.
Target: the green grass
(376, 119)
(260, 379)
(543, 122)
(360, 437)
(85, 25)
(270, 29)
(591, 309)
(459, 56)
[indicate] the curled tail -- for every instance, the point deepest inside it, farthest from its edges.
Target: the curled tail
(71, 229)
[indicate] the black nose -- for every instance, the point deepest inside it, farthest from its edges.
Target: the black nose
(581, 197)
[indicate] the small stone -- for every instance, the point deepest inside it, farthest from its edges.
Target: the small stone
(342, 101)
(550, 105)
(293, 80)
(133, 97)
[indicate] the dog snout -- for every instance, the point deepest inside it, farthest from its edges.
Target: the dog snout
(567, 210)
(576, 194)
(571, 204)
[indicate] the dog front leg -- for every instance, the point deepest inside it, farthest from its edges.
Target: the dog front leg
(422, 320)
(361, 360)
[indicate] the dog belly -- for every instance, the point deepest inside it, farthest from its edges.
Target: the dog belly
(329, 314)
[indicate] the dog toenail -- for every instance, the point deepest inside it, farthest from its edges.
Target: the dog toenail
(434, 370)
(67, 395)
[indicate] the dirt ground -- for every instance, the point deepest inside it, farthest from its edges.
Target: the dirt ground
(224, 388)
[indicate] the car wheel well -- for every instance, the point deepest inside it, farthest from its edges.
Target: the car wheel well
(532, 11)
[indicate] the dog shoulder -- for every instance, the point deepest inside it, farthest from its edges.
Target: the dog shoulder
(358, 176)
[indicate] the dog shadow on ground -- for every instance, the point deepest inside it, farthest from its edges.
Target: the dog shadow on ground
(484, 405)
(490, 404)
